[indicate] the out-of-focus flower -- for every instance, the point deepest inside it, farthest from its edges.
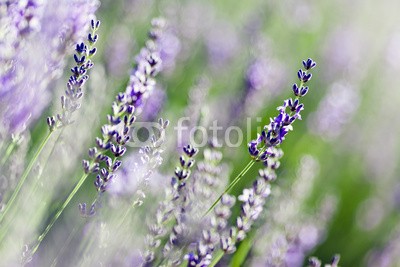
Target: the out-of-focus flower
(222, 44)
(172, 209)
(388, 256)
(154, 105)
(290, 235)
(117, 53)
(335, 111)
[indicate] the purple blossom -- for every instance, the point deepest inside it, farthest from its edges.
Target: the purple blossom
(24, 85)
(104, 158)
(172, 209)
(274, 133)
(74, 92)
(154, 105)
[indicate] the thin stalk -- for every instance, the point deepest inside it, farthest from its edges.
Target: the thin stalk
(127, 213)
(24, 176)
(220, 253)
(59, 212)
(46, 161)
(232, 184)
(8, 152)
(35, 185)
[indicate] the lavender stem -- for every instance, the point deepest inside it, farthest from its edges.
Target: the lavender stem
(59, 212)
(24, 176)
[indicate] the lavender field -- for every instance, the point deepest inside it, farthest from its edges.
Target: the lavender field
(199, 133)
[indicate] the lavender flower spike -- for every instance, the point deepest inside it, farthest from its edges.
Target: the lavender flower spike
(104, 158)
(262, 148)
(274, 133)
(172, 208)
(70, 101)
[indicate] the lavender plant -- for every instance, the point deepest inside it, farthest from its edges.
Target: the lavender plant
(69, 103)
(60, 25)
(262, 148)
(115, 135)
(151, 157)
(264, 224)
(266, 149)
(172, 209)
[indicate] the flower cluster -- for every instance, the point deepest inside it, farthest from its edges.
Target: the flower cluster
(211, 237)
(18, 22)
(115, 134)
(274, 133)
(70, 101)
(25, 87)
(172, 208)
(265, 148)
(149, 63)
(181, 205)
(207, 177)
(290, 236)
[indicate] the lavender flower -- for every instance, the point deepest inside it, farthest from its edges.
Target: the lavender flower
(274, 133)
(154, 105)
(211, 235)
(22, 103)
(207, 178)
(115, 135)
(19, 20)
(70, 101)
(172, 208)
(134, 177)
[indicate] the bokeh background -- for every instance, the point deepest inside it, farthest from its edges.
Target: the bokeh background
(338, 188)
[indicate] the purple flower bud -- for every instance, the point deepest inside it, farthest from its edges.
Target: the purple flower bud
(303, 90)
(117, 164)
(309, 64)
(190, 151)
(95, 167)
(86, 166)
(92, 152)
(182, 161)
(296, 90)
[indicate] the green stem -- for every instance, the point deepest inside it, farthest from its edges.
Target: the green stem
(35, 186)
(59, 212)
(24, 176)
(8, 152)
(219, 255)
(243, 250)
(232, 184)
(126, 214)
